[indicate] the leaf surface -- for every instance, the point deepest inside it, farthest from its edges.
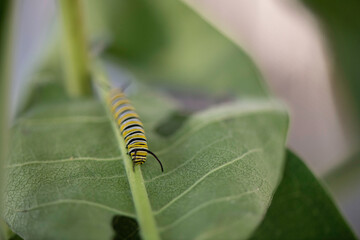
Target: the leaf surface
(66, 178)
(222, 165)
(167, 43)
(302, 208)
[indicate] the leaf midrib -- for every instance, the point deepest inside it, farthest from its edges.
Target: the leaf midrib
(181, 138)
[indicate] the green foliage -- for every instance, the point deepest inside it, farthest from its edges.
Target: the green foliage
(74, 49)
(167, 43)
(222, 168)
(222, 164)
(302, 209)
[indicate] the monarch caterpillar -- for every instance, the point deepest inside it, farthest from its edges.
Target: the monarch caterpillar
(131, 128)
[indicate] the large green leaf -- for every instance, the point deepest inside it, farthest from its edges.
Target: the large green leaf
(302, 209)
(67, 181)
(167, 43)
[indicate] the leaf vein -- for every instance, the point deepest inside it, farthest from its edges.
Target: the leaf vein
(64, 160)
(77, 201)
(202, 178)
(72, 119)
(214, 120)
(204, 205)
(189, 160)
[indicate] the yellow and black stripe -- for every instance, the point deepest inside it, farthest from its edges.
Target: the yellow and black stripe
(131, 128)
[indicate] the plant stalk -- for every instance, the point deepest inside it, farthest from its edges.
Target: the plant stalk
(145, 216)
(74, 49)
(7, 24)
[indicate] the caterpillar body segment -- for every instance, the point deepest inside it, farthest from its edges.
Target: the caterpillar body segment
(130, 127)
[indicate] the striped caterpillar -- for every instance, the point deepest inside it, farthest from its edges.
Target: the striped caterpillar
(131, 128)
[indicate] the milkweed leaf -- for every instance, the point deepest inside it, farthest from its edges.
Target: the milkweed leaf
(66, 178)
(302, 208)
(168, 43)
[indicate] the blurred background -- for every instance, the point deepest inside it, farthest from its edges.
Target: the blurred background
(291, 46)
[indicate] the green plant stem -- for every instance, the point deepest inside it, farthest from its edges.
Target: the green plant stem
(145, 216)
(75, 57)
(7, 22)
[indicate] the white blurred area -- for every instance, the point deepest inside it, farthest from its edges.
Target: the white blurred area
(33, 27)
(286, 43)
